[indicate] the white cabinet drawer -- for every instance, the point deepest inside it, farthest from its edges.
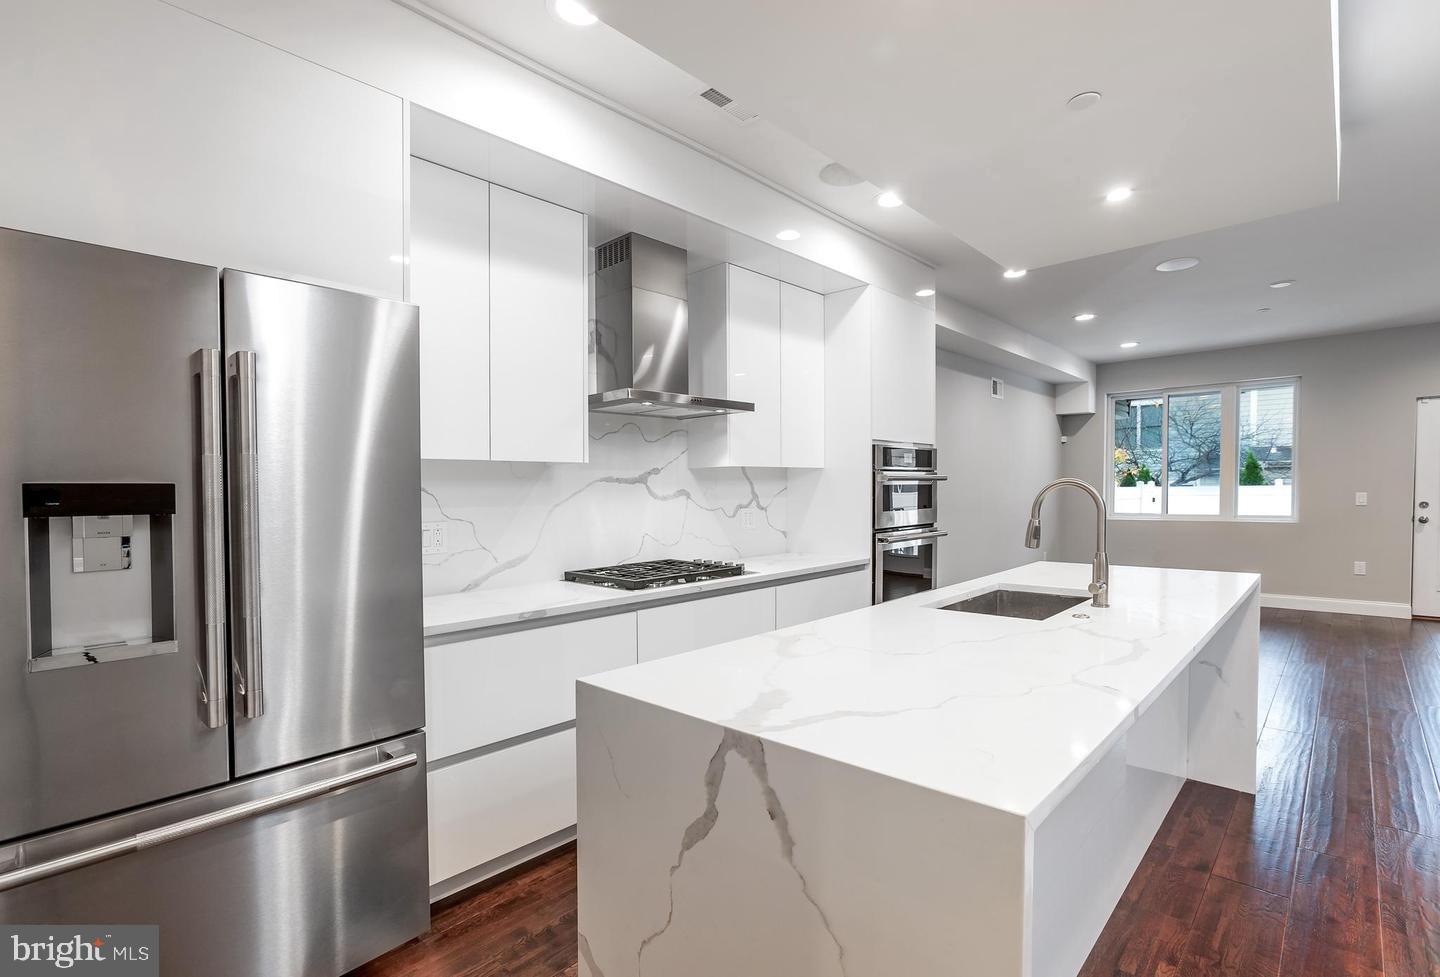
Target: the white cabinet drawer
(485, 690)
(810, 600)
(491, 805)
(674, 628)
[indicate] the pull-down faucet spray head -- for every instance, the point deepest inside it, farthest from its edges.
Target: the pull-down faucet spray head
(1032, 534)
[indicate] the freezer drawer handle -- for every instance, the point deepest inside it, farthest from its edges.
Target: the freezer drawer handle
(250, 676)
(212, 538)
(204, 822)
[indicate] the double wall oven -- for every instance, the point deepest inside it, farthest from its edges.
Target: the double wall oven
(906, 513)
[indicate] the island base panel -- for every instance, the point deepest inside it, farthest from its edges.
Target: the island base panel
(1225, 702)
(709, 853)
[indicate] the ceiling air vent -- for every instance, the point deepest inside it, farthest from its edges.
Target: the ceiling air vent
(727, 105)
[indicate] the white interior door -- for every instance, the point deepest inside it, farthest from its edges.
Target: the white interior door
(1425, 601)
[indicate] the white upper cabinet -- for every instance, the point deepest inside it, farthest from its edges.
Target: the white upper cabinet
(538, 406)
(802, 377)
(756, 339)
(139, 126)
(450, 281)
(902, 370)
(500, 280)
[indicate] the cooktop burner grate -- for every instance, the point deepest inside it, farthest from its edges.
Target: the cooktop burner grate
(655, 573)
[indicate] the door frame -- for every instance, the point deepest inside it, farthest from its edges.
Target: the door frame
(1414, 502)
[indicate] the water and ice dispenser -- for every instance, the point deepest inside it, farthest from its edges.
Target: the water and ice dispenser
(101, 581)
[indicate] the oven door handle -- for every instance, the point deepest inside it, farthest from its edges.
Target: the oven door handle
(932, 534)
(891, 478)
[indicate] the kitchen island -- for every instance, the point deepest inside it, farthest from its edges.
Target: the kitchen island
(906, 789)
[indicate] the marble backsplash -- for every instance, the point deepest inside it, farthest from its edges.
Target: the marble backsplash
(510, 523)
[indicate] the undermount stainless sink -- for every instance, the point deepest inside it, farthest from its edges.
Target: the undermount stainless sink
(1027, 604)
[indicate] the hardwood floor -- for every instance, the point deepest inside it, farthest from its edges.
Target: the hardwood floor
(1332, 869)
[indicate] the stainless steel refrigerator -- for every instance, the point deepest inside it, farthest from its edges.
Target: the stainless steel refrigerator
(211, 662)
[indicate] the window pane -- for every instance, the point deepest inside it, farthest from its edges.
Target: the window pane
(1193, 472)
(1267, 451)
(1139, 436)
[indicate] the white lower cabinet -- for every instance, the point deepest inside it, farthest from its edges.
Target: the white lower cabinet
(810, 600)
(671, 629)
(485, 690)
(495, 803)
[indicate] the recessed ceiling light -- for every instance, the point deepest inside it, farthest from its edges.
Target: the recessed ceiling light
(889, 199)
(925, 293)
(838, 176)
(789, 234)
(573, 12)
(1283, 284)
(1083, 101)
(1118, 194)
(1085, 317)
(1014, 272)
(1130, 345)
(1177, 264)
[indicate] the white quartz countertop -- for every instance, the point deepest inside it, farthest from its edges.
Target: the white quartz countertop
(496, 606)
(1003, 712)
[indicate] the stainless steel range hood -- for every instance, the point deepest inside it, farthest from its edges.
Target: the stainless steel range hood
(642, 333)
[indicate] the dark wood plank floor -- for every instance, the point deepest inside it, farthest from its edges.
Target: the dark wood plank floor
(1331, 870)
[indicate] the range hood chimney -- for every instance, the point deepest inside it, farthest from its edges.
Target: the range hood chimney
(642, 333)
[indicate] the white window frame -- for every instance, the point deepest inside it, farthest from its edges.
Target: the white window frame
(1229, 451)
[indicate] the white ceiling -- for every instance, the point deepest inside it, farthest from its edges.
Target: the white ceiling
(1215, 113)
(1370, 261)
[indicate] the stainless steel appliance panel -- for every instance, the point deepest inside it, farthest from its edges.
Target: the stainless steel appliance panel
(905, 563)
(323, 401)
(905, 500)
(97, 385)
(903, 456)
(318, 886)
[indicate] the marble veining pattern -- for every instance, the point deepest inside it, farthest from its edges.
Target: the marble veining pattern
(752, 751)
(510, 523)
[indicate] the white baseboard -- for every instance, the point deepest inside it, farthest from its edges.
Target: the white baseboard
(1336, 605)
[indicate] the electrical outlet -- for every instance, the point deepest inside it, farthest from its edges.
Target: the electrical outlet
(749, 519)
(1360, 569)
(1362, 498)
(432, 538)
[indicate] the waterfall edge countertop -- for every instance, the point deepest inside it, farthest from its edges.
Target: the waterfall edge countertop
(557, 599)
(1002, 712)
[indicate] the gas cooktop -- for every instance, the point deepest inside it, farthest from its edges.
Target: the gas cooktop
(655, 573)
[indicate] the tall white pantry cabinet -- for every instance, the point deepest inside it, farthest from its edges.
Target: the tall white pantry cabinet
(500, 280)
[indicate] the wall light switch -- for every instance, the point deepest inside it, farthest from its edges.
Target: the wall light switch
(432, 538)
(1362, 498)
(1360, 569)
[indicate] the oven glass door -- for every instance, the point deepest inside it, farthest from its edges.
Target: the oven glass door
(904, 457)
(903, 502)
(905, 564)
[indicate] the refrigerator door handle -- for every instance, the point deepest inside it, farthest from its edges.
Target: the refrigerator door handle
(204, 822)
(249, 667)
(210, 444)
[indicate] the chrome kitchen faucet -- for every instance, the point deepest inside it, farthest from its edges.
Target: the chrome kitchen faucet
(1100, 566)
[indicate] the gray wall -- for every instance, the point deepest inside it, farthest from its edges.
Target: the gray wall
(997, 453)
(1356, 434)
